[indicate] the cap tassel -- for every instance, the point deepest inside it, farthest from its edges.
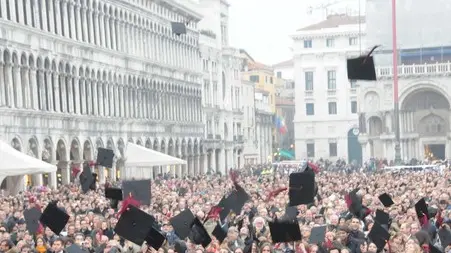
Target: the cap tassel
(369, 54)
(75, 171)
(213, 213)
(328, 244)
(348, 201)
(274, 193)
(425, 248)
(92, 163)
(438, 219)
(314, 167)
(423, 220)
(32, 199)
(368, 211)
(127, 202)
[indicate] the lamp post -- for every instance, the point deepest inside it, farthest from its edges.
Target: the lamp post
(395, 85)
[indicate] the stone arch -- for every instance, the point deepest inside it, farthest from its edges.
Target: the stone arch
(75, 150)
(148, 143)
(16, 143)
(156, 144)
(99, 143)
(61, 151)
(372, 101)
(110, 143)
(163, 146)
(33, 147)
(139, 142)
(130, 139)
(121, 147)
(419, 86)
(87, 150)
(201, 146)
(375, 126)
(196, 147)
(170, 149)
(177, 147)
(189, 147)
(47, 150)
(226, 131)
(432, 125)
(425, 99)
(183, 146)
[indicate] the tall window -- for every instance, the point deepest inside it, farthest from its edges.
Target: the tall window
(330, 43)
(308, 75)
(333, 149)
(279, 74)
(310, 109)
(307, 43)
(353, 107)
(310, 149)
(353, 41)
(332, 108)
(331, 80)
(254, 78)
(353, 84)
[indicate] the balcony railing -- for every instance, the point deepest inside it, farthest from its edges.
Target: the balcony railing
(420, 69)
(210, 136)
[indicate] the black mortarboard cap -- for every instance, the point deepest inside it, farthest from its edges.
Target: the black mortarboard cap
(113, 193)
(93, 184)
(139, 189)
(317, 235)
(433, 249)
(302, 188)
(198, 234)
(379, 236)
(421, 208)
(362, 68)
(382, 218)
(178, 28)
(182, 223)
(386, 200)
(284, 231)
(233, 202)
(74, 248)
(291, 213)
(155, 238)
(219, 232)
(134, 225)
(445, 236)
(86, 179)
(32, 216)
(105, 157)
(54, 218)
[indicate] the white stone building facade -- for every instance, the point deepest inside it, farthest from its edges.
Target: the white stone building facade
(326, 117)
(264, 125)
(251, 154)
(80, 74)
(222, 89)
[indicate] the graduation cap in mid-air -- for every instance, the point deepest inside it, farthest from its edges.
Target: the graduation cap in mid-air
(362, 68)
(54, 218)
(178, 28)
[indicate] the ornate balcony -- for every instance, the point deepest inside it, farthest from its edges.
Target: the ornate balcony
(415, 70)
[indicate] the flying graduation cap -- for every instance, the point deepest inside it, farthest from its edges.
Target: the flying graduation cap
(178, 28)
(362, 68)
(54, 218)
(186, 225)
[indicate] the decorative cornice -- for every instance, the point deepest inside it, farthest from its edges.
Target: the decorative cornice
(328, 35)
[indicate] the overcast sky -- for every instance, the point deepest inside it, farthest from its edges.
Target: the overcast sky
(262, 27)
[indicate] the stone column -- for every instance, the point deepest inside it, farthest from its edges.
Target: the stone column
(65, 17)
(27, 10)
(38, 180)
(56, 91)
(83, 97)
(58, 17)
(53, 180)
(101, 176)
(96, 27)
(26, 85)
(79, 22)
(107, 31)
(91, 35)
(44, 16)
(76, 103)
(222, 165)
(212, 164)
(196, 165)
(102, 28)
(49, 80)
(51, 17)
(114, 26)
(18, 85)
(94, 97)
(62, 77)
(4, 12)
(70, 91)
(2, 84)
(33, 89)
(65, 172)
(89, 97)
(112, 172)
(100, 100)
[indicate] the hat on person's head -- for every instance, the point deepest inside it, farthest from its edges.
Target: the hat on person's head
(362, 68)
(138, 227)
(54, 218)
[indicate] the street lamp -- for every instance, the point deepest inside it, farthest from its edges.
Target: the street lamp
(395, 85)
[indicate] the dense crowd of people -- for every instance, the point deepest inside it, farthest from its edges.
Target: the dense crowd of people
(92, 219)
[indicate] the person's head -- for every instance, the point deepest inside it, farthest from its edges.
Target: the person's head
(57, 245)
(5, 245)
(266, 248)
(414, 228)
(26, 249)
(372, 248)
(40, 241)
(79, 239)
(232, 234)
(355, 224)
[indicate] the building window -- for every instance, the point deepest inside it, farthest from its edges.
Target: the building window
(332, 108)
(279, 74)
(353, 41)
(330, 43)
(310, 108)
(353, 84)
(310, 149)
(353, 107)
(254, 78)
(308, 75)
(307, 43)
(270, 80)
(333, 149)
(331, 80)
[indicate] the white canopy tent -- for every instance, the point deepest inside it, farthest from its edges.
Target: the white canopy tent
(140, 160)
(16, 164)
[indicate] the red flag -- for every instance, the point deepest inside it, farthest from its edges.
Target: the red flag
(274, 193)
